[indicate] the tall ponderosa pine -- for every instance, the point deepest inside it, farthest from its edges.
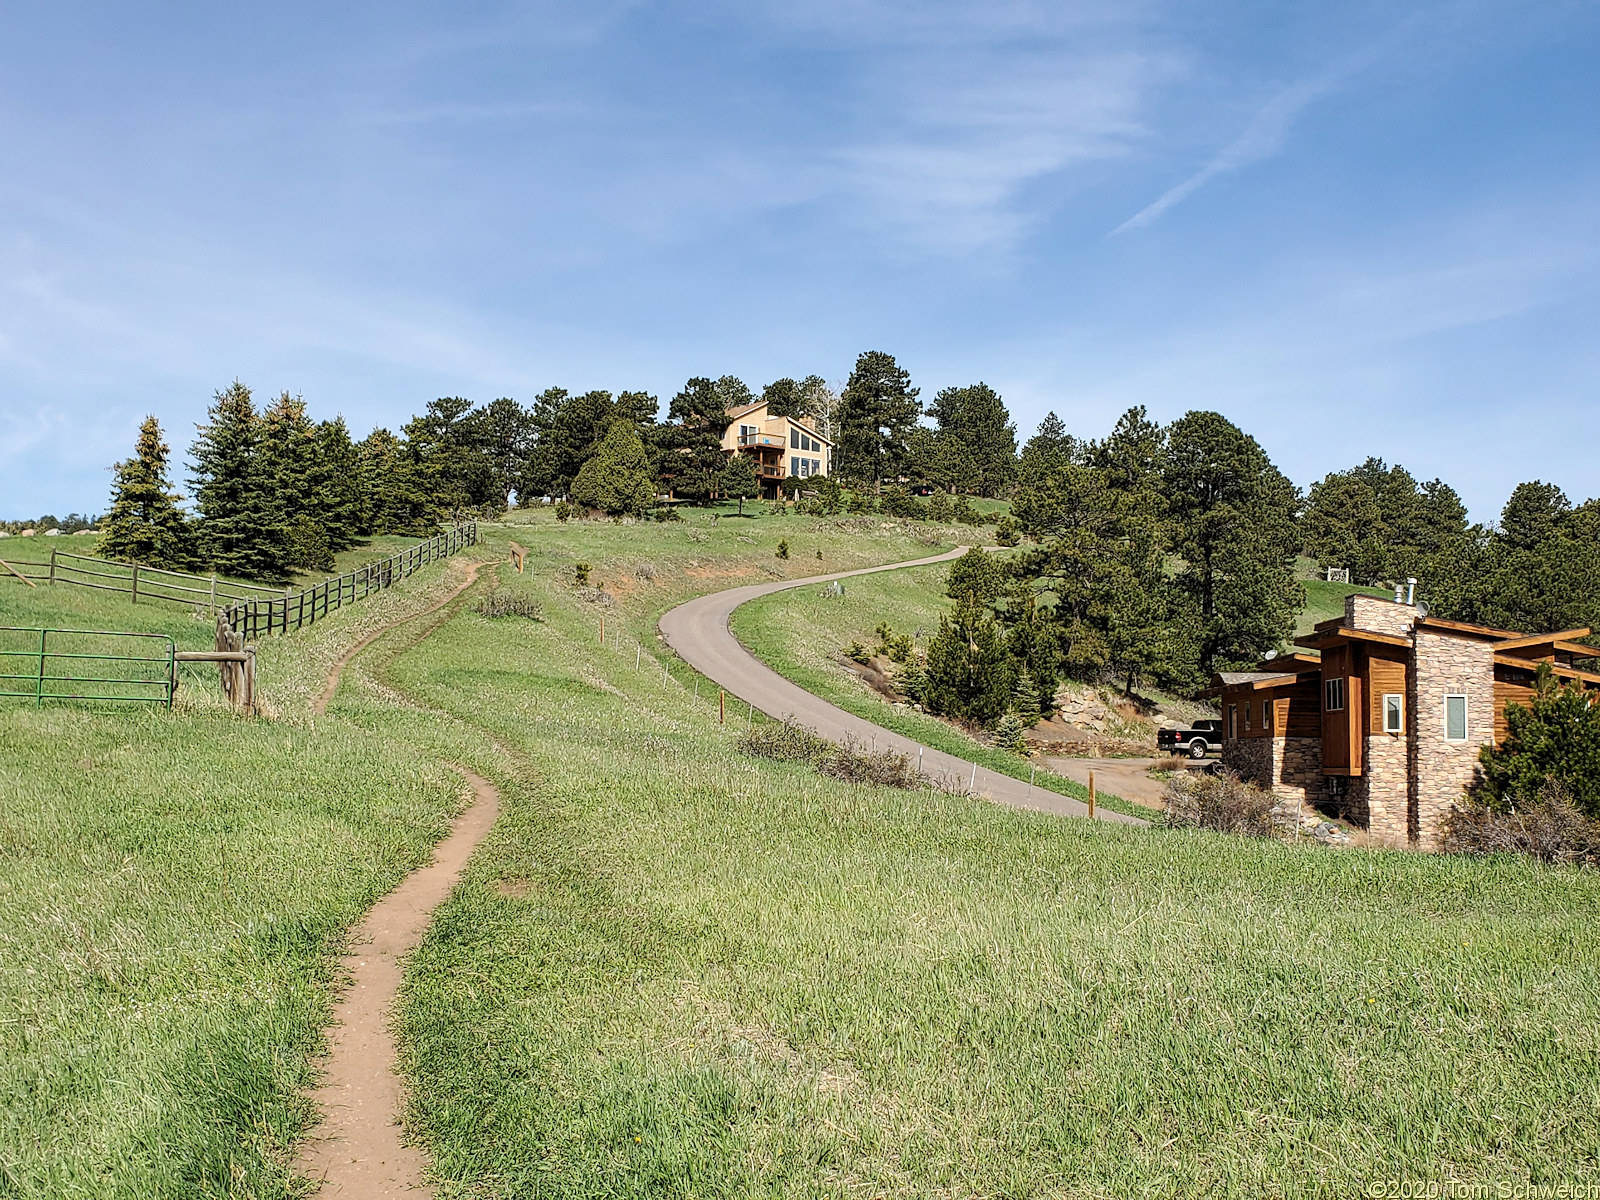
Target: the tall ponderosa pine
(617, 479)
(689, 455)
(145, 524)
(1232, 517)
(877, 413)
(501, 436)
(783, 398)
(977, 443)
(241, 522)
(567, 431)
(1037, 502)
(445, 444)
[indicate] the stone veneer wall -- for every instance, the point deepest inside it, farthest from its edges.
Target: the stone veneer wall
(1287, 767)
(1446, 665)
(1385, 787)
(1378, 615)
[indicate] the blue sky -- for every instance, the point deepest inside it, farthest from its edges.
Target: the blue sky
(1359, 228)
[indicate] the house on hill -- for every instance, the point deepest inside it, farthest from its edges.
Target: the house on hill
(781, 446)
(1384, 722)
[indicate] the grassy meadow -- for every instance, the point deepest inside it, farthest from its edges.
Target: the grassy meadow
(673, 970)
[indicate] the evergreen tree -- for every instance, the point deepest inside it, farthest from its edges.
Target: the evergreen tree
(1232, 515)
(969, 673)
(877, 413)
(287, 461)
(976, 575)
(617, 479)
(446, 445)
(689, 456)
(1555, 738)
(145, 524)
(338, 486)
(1041, 469)
(241, 529)
(978, 442)
(638, 409)
(500, 436)
(783, 399)
(733, 392)
(1344, 527)
(738, 479)
(397, 498)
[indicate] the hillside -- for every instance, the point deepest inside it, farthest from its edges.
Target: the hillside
(673, 969)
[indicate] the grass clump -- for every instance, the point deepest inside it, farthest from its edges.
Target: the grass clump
(789, 741)
(1551, 829)
(1223, 802)
(503, 602)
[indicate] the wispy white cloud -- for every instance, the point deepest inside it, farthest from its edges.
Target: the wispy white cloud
(1268, 130)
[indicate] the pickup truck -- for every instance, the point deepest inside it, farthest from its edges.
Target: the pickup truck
(1197, 741)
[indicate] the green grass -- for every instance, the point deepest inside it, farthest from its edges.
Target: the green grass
(673, 970)
(1325, 601)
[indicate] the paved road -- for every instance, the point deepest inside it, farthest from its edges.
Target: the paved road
(699, 632)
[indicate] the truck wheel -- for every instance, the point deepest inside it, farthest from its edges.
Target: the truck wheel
(1198, 749)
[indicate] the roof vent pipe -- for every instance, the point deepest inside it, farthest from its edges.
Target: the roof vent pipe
(1411, 590)
(1399, 593)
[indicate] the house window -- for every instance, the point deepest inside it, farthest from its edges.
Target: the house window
(1333, 695)
(794, 438)
(1394, 713)
(1455, 718)
(1247, 716)
(746, 431)
(1233, 720)
(816, 466)
(1266, 715)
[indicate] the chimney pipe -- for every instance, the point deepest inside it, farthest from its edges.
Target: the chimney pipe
(1399, 593)
(1411, 590)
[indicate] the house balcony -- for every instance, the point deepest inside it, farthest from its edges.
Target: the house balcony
(763, 440)
(770, 472)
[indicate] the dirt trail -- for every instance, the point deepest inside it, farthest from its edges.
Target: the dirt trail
(356, 1151)
(320, 704)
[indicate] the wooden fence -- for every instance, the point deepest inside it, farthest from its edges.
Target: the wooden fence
(252, 618)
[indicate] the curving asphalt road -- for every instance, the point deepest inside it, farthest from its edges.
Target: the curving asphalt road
(699, 632)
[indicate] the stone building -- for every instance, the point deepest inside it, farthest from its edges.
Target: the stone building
(1384, 722)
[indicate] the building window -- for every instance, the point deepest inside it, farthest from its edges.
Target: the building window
(794, 438)
(1233, 720)
(1247, 707)
(1333, 695)
(1455, 718)
(1266, 715)
(1394, 713)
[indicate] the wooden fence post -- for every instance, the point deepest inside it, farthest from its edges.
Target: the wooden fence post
(722, 707)
(1091, 793)
(52, 564)
(136, 583)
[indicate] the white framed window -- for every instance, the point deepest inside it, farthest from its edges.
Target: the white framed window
(1333, 695)
(1394, 713)
(1455, 718)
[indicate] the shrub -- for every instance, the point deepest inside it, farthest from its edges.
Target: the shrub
(975, 575)
(789, 741)
(502, 602)
(1551, 829)
(665, 514)
(964, 513)
(580, 572)
(1554, 739)
(563, 511)
(1199, 800)
(783, 548)
(899, 502)
(968, 672)
(939, 508)
(1008, 733)
(857, 652)
(895, 646)
(1008, 531)
(645, 571)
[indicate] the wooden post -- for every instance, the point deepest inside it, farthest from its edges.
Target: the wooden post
(638, 653)
(722, 706)
(52, 564)
(18, 573)
(1091, 793)
(973, 783)
(136, 583)
(213, 593)
(602, 629)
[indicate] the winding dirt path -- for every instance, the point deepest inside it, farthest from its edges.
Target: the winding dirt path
(320, 704)
(356, 1151)
(699, 632)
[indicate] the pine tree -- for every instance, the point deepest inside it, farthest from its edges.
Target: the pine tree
(397, 498)
(338, 487)
(877, 413)
(241, 529)
(977, 442)
(288, 462)
(738, 479)
(783, 398)
(617, 479)
(145, 524)
(968, 673)
(689, 455)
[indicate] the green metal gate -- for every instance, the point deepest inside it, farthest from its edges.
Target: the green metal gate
(43, 664)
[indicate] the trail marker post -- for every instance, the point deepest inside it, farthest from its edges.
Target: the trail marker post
(722, 707)
(1091, 793)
